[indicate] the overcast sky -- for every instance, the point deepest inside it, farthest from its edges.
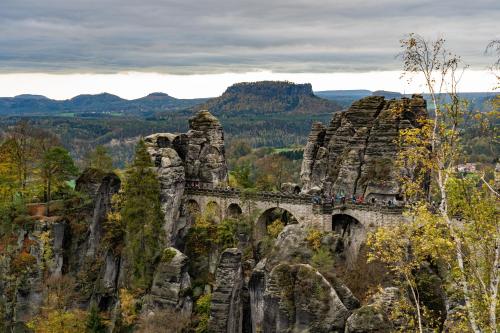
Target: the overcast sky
(186, 38)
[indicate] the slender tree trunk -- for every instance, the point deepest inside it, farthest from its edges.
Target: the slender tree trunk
(48, 196)
(443, 208)
(494, 282)
(417, 303)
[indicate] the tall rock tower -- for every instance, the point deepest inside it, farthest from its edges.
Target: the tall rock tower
(355, 153)
(197, 156)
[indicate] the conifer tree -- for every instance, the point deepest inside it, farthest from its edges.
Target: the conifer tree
(94, 322)
(100, 159)
(57, 167)
(142, 217)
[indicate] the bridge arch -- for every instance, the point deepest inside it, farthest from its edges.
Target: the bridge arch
(344, 224)
(191, 207)
(352, 234)
(269, 216)
(213, 211)
(190, 210)
(234, 210)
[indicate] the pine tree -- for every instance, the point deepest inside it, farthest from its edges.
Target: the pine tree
(143, 218)
(94, 322)
(100, 159)
(57, 167)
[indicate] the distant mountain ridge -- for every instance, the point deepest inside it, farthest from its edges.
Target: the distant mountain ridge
(269, 97)
(345, 98)
(264, 97)
(99, 103)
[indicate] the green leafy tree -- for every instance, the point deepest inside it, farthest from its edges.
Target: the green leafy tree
(100, 159)
(275, 228)
(94, 322)
(56, 168)
(202, 311)
(240, 176)
(9, 181)
(142, 216)
(20, 153)
(406, 247)
(272, 171)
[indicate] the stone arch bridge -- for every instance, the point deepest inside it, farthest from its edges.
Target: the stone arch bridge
(323, 217)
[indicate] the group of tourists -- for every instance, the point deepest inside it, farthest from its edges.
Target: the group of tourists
(337, 198)
(341, 198)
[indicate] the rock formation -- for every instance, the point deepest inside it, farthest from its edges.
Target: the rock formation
(377, 316)
(101, 186)
(266, 285)
(170, 281)
(197, 157)
(298, 298)
(287, 294)
(355, 153)
(226, 308)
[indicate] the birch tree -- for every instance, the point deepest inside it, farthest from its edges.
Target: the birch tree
(466, 208)
(459, 211)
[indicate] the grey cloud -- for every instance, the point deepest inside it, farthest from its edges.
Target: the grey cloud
(210, 36)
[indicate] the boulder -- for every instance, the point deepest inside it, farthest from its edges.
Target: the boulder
(368, 319)
(290, 188)
(374, 317)
(287, 294)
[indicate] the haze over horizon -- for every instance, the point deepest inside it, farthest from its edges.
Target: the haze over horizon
(135, 85)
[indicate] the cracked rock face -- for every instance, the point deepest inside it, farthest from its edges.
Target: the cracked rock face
(298, 298)
(289, 295)
(170, 281)
(205, 158)
(226, 306)
(100, 186)
(196, 156)
(355, 153)
(374, 317)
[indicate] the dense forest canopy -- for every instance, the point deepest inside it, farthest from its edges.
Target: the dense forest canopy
(264, 114)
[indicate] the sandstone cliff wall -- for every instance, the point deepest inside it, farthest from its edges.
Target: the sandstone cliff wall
(197, 156)
(355, 153)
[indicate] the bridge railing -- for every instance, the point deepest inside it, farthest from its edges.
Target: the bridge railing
(261, 195)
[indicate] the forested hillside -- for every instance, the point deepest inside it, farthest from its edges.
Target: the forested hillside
(273, 114)
(92, 105)
(269, 97)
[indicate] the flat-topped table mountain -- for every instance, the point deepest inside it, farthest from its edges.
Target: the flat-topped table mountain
(269, 97)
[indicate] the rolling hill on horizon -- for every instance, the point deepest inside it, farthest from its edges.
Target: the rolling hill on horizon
(277, 114)
(262, 97)
(87, 103)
